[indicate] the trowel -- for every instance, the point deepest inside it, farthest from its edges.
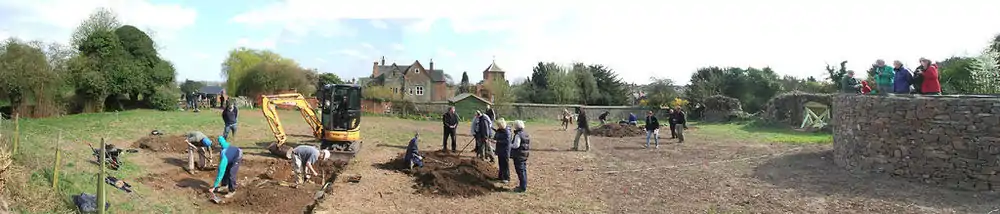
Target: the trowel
(215, 199)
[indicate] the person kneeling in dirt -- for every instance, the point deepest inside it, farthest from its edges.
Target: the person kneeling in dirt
(413, 157)
(200, 143)
(632, 119)
(229, 165)
(519, 152)
(502, 137)
(603, 117)
(303, 158)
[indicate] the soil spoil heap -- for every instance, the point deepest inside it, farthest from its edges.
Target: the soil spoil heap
(447, 174)
(161, 143)
(617, 130)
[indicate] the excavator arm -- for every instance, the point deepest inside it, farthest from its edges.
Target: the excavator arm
(268, 104)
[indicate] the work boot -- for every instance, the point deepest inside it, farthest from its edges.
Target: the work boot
(229, 195)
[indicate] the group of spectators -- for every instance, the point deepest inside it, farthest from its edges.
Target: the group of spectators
(896, 79)
(512, 142)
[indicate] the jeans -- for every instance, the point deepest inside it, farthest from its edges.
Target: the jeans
(229, 128)
(504, 167)
(655, 135)
(680, 131)
(230, 178)
(586, 139)
(521, 167)
(202, 159)
(449, 132)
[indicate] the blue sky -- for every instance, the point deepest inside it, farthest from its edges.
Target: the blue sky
(667, 39)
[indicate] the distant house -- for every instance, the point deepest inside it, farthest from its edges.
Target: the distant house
(466, 104)
(412, 82)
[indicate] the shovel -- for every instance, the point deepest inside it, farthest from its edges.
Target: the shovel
(215, 199)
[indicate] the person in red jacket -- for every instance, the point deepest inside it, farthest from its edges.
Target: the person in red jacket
(931, 84)
(865, 89)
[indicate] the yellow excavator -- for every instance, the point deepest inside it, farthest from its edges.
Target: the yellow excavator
(336, 123)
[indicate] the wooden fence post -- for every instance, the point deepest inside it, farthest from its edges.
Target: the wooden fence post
(55, 167)
(17, 133)
(101, 197)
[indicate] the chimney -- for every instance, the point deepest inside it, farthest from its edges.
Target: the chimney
(375, 70)
(432, 64)
(383, 60)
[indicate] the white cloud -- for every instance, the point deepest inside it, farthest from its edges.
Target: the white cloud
(672, 38)
(379, 24)
(54, 20)
(352, 53)
(398, 47)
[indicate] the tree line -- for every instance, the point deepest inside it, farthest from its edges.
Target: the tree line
(107, 66)
(577, 83)
(252, 72)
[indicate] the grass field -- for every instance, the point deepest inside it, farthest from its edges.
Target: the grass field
(722, 168)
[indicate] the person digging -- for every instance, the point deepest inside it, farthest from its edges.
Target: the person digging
(413, 157)
(200, 143)
(229, 165)
(303, 159)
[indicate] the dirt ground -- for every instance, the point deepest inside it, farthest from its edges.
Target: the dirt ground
(616, 130)
(706, 174)
(448, 174)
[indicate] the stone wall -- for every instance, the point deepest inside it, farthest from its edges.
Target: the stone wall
(789, 108)
(531, 111)
(951, 141)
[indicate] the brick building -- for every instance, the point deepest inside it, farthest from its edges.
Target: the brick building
(413, 82)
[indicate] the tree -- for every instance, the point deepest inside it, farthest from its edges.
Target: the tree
(562, 85)
(956, 75)
(329, 78)
(611, 89)
(752, 86)
(241, 60)
(995, 48)
(271, 77)
(585, 81)
(660, 92)
(25, 74)
(835, 74)
(464, 86)
(101, 20)
(503, 94)
(191, 86)
(379, 93)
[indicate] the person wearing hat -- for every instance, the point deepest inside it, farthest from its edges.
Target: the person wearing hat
(303, 158)
(482, 127)
(200, 143)
(229, 165)
(502, 137)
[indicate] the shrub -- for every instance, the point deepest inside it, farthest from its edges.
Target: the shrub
(164, 98)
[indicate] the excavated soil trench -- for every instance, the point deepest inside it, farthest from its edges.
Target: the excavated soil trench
(445, 174)
(616, 130)
(265, 184)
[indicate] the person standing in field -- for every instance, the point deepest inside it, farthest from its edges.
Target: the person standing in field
(680, 119)
(652, 129)
(519, 153)
(502, 137)
(670, 121)
(450, 122)
(229, 115)
(583, 129)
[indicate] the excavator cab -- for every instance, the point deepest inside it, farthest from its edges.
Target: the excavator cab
(341, 117)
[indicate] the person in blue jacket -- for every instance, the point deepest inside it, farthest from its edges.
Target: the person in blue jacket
(902, 79)
(632, 119)
(502, 137)
(229, 165)
(412, 156)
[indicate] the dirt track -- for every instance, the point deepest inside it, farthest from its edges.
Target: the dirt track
(704, 174)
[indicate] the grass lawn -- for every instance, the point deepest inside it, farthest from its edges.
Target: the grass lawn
(763, 133)
(31, 191)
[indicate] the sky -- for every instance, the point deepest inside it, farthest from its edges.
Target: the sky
(638, 39)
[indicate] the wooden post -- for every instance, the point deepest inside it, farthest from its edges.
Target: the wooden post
(17, 133)
(101, 197)
(55, 167)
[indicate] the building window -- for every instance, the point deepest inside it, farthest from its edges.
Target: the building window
(409, 91)
(420, 90)
(395, 90)
(416, 70)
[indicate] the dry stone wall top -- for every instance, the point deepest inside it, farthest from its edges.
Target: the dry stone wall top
(951, 141)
